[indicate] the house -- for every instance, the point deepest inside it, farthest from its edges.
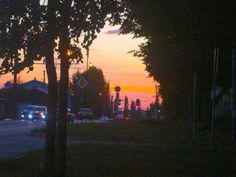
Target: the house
(35, 85)
(33, 92)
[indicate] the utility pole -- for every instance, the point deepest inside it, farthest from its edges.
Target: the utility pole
(87, 53)
(156, 102)
(15, 79)
(44, 75)
(194, 105)
(233, 100)
(215, 71)
(189, 109)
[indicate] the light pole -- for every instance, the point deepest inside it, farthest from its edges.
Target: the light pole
(194, 105)
(233, 100)
(87, 54)
(156, 101)
(215, 71)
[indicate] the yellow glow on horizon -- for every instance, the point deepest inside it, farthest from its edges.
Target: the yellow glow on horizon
(131, 88)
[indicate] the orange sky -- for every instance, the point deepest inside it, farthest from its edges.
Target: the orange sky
(110, 53)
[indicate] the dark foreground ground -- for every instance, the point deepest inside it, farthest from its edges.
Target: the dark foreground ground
(15, 139)
(131, 149)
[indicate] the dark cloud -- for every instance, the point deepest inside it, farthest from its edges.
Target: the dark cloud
(112, 32)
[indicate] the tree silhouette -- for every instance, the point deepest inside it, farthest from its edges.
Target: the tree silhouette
(126, 107)
(181, 36)
(29, 32)
(74, 18)
(133, 109)
(96, 94)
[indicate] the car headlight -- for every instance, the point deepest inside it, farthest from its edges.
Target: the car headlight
(43, 116)
(30, 116)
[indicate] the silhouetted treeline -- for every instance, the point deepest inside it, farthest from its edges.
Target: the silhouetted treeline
(181, 37)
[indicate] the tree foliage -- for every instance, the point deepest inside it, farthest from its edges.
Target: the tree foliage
(126, 107)
(23, 29)
(180, 38)
(19, 23)
(96, 94)
(26, 36)
(133, 109)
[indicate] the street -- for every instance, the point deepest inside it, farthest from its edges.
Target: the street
(15, 139)
(15, 136)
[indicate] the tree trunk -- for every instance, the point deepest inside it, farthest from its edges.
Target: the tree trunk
(64, 45)
(52, 96)
(62, 112)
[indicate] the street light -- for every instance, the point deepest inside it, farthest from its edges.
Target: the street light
(35, 33)
(69, 52)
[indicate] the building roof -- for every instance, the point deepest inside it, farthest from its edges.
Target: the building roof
(35, 84)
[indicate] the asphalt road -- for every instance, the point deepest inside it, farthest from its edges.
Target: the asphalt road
(15, 139)
(15, 136)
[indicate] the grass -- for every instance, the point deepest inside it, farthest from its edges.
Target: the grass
(137, 131)
(104, 160)
(144, 131)
(26, 165)
(99, 160)
(96, 159)
(131, 131)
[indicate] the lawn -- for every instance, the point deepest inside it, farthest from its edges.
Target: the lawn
(153, 155)
(137, 131)
(99, 160)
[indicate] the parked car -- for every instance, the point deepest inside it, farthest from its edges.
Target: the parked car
(103, 118)
(120, 116)
(34, 113)
(85, 113)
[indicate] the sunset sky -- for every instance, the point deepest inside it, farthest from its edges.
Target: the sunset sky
(110, 53)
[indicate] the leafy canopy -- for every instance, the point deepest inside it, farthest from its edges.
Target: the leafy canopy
(23, 29)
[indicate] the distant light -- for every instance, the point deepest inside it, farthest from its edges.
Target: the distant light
(100, 94)
(104, 74)
(30, 116)
(35, 33)
(22, 116)
(43, 2)
(69, 52)
(90, 65)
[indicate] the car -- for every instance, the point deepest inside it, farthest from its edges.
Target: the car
(34, 112)
(103, 118)
(85, 113)
(120, 116)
